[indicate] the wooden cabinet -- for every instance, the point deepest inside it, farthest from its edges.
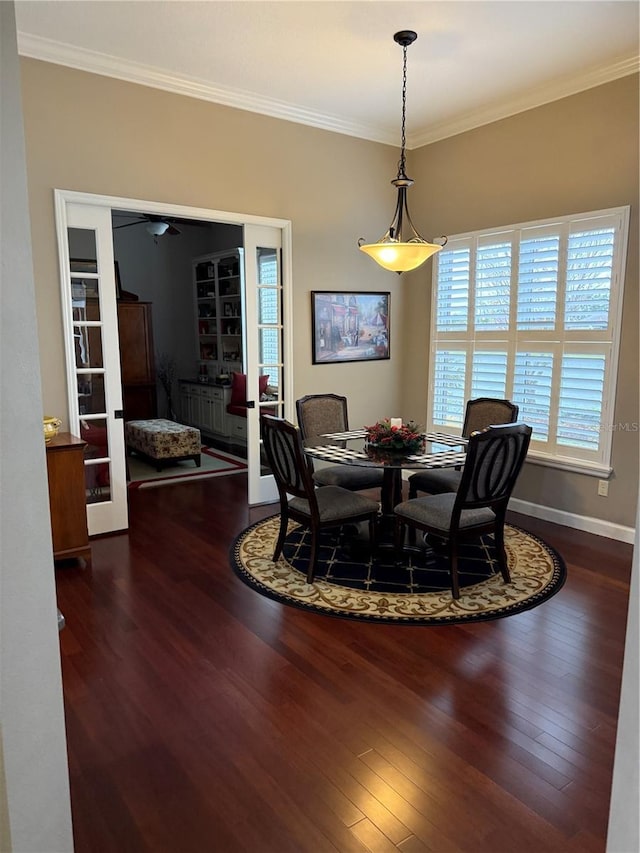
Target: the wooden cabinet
(67, 497)
(219, 285)
(137, 360)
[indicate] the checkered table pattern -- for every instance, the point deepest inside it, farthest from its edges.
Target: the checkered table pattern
(332, 453)
(437, 459)
(439, 437)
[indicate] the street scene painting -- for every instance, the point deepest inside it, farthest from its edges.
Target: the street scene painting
(349, 326)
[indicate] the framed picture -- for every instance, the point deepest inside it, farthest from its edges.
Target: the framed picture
(349, 326)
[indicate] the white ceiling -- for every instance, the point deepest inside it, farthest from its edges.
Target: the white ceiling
(335, 65)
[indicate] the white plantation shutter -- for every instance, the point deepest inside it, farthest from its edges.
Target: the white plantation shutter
(449, 387)
(493, 286)
(532, 381)
(532, 313)
(489, 374)
(453, 294)
(538, 279)
(589, 275)
(582, 382)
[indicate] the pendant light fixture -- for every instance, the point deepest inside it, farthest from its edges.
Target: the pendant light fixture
(402, 248)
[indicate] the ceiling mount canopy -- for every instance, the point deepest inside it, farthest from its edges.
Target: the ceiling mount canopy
(402, 248)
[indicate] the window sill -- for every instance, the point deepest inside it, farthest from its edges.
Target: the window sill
(576, 466)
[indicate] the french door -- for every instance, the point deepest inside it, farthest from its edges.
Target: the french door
(94, 391)
(88, 294)
(266, 347)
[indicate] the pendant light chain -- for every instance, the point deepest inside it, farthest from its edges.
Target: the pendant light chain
(401, 170)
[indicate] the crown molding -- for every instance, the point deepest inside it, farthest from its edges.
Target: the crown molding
(48, 50)
(561, 88)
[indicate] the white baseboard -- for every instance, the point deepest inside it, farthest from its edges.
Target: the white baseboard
(570, 519)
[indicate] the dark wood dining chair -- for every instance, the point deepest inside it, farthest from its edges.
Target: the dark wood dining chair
(479, 414)
(319, 414)
(330, 506)
(494, 460)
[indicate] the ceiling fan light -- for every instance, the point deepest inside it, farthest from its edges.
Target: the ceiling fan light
(157, 229)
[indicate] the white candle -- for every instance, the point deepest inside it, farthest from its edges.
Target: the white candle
(395, 422)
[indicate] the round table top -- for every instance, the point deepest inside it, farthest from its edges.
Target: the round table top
(440, 451)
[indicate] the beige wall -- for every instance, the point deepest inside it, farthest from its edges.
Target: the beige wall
(94, 134)
(35, 810)
(570, 156)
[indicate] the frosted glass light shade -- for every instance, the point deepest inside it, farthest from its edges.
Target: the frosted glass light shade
(157, 229)
(400, 257)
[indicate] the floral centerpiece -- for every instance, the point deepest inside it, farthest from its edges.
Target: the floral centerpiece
(388, 434)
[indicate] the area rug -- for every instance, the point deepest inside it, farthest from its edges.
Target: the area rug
(412, 590)
(213, 463)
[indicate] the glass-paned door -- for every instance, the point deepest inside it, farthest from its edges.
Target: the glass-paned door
(93, 367)
(266, 347)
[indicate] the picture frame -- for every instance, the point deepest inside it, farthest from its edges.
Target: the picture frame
(349, 326)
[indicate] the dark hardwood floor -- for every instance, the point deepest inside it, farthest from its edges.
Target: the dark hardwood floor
(202, 717)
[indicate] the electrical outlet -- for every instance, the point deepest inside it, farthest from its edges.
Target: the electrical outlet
(603, 488)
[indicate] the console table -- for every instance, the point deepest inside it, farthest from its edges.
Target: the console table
(67, 497)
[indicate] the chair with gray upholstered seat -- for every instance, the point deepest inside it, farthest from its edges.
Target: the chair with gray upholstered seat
(319, 414)
(330, 506)
(494, 460)
(479, 414)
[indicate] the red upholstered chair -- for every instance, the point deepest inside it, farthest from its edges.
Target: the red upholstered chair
(237, 405)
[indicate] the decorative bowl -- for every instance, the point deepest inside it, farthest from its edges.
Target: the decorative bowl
(50, 427)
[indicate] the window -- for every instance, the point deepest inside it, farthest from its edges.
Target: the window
(532, 312)
(269, 316)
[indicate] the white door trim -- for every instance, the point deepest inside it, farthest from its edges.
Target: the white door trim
(64, 197)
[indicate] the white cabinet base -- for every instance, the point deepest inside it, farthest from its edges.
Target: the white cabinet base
(237, 429)
(205, 407)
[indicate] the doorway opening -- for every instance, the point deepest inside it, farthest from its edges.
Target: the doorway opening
(197, 335)
(264, 332)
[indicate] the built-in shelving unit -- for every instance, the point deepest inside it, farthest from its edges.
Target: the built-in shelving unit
(219, 293)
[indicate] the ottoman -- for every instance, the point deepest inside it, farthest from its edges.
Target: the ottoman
(160, 442)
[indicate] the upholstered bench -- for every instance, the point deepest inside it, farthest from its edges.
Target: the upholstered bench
(161, 442)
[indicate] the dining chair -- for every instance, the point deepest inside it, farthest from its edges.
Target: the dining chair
(330, 506)
(319, 414)
(494, 460)
(479, 414)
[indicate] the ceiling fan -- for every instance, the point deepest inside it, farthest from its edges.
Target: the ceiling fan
(157, 225)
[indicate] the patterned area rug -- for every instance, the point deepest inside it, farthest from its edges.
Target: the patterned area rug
(412, 591)
(213, 463)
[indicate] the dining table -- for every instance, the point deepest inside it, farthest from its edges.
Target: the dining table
(439, 450)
